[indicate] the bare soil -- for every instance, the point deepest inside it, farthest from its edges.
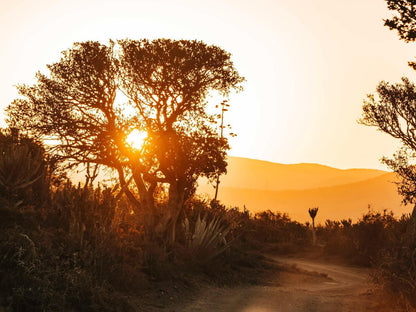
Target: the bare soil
(296, 284)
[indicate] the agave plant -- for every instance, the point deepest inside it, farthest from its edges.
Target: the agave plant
(208, 238)
(20, 167)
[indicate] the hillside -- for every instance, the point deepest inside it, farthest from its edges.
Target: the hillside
(264, 175)
(339, 193)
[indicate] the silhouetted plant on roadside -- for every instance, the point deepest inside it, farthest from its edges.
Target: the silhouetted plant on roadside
(207, 239)
(312, 214)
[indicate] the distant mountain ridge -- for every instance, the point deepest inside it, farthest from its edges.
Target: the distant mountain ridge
(339, 193)
(259, 174)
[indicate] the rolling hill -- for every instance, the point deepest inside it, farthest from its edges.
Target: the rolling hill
(261, 185)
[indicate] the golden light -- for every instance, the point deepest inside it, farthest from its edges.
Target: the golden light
(136, 139)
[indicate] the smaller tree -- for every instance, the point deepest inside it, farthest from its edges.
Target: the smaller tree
(312, 213)
(393, 111)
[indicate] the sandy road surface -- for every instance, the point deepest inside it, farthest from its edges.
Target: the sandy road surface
(304, 285)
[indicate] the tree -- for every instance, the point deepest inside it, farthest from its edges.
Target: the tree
(393, 109)
(97, 94)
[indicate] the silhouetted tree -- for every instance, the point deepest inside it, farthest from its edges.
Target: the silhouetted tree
(97, 94)
(393, 108)
(393, 111)
(312, 213)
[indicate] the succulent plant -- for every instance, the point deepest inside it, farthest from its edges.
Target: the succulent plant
(21, 165)
(312, 213)
(208, 238)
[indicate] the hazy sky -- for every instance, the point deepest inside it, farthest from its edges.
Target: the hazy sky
(308, 63)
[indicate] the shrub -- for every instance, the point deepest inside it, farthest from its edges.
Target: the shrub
(396, 269)
(363, 241)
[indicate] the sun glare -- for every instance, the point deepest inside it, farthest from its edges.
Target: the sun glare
(136, 139)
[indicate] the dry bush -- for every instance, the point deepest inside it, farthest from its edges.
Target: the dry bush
(361, 242)
(396, 269)
(41, 271)
(384, 242)
(73, 249)
(277, 232)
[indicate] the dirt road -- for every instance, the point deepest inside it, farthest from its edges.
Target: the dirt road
(302, 285)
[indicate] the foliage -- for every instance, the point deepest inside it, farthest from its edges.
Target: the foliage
(276, 232)
(401, 163)
(49, 262)
(386, 243)
(24, 172)
(396, 272)
(165, 84)
(405, 21)
(383, 241)
(364, 241)
(86, 249)
(393, 108)
(207, 240)
(393, 111)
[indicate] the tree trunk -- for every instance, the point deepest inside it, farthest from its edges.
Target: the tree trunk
(145, 205)
(167, 224)
(414, 218)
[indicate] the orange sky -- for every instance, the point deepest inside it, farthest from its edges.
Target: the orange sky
(308, 64)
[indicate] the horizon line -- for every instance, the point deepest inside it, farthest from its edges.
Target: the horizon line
(309, 163)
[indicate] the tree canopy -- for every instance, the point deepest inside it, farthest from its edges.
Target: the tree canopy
(393, 111)
(97, 94)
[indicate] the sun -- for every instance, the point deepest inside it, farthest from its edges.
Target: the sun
(136, 139)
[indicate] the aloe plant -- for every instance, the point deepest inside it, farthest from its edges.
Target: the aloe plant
(312, 213)
(20, 167)
(208, 238)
